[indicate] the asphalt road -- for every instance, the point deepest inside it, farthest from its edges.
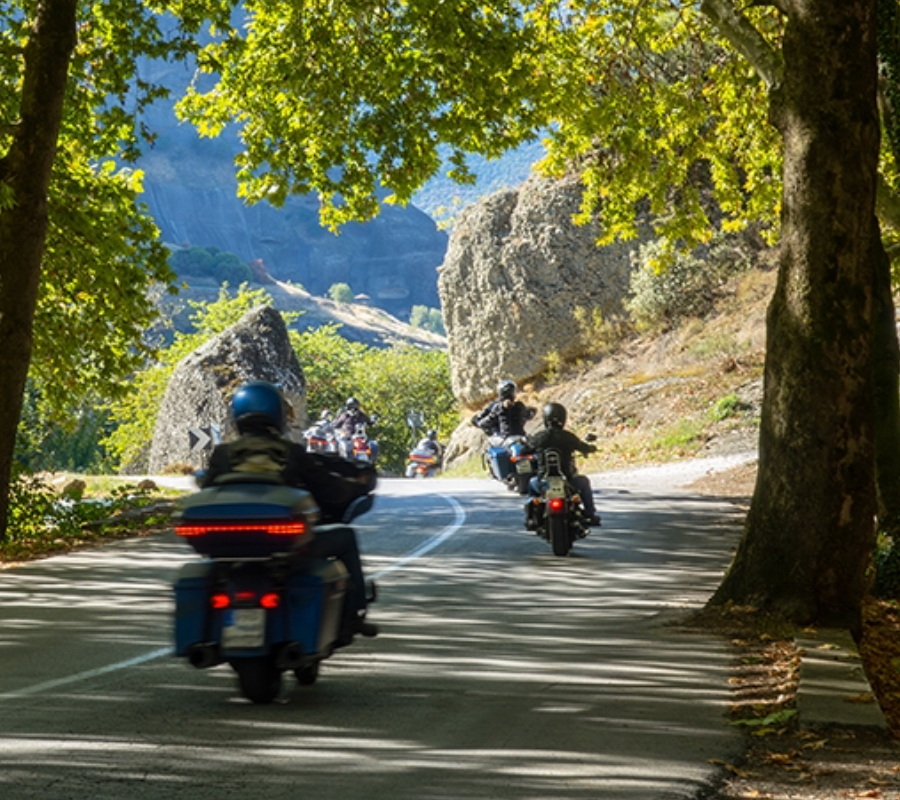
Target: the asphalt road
(501, 671)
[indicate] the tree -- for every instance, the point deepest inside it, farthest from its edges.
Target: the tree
(24, 181)
(76, 253)
(653, 102)
(810, 529)
(341, 293)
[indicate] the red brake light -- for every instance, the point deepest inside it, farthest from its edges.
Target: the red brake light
(220, 600)
(270, 600)
(556, 504)
(274, 529)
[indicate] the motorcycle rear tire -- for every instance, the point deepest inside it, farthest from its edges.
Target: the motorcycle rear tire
(259, 678)
(559, 534)
(522, 481)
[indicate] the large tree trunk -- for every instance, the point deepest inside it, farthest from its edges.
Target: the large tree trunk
(886, 365)
(810, 529)
(25, 174)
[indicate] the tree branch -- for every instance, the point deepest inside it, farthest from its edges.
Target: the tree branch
(746, 39)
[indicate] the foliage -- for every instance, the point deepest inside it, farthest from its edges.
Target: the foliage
(134, 414)
(388, 95)
(41, 520)
(429, 319)
(330, 364)
(887, 567)
(47, 445)
(389, 383)
(102, 252)
(341, 293)
(668, 286)
(725, 407)
(376, 90)
(210, 262)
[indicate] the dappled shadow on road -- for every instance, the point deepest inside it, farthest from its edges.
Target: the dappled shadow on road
(501, 672)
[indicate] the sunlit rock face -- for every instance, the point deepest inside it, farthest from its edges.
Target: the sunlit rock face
(521, 283)
(197, 400)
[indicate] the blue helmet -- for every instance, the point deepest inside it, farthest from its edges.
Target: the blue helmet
(258, 404)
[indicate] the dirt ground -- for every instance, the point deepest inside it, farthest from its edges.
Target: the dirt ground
(786, 760)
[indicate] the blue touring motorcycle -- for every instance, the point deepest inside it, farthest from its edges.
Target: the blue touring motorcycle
(256, 600)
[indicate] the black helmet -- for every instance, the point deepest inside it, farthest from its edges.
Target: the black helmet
(554, 415)
(352, 402)
(258, 404)
(506, 390)
(432, 435)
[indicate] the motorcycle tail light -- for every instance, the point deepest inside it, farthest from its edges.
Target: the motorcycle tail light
(270, 600)
(556, 504)
(274, 529)
(220, 600)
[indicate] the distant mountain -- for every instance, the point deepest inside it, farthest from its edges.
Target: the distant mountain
(191, 192)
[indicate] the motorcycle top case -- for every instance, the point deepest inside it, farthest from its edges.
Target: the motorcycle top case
(247, 520)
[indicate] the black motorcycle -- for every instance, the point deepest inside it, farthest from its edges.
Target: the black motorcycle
(557, 513)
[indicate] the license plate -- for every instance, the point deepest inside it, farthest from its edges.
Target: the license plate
(524, 467)
(244, 628)
(556, 487)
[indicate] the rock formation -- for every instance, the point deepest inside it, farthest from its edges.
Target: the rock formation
(196, 403)
(521, 282)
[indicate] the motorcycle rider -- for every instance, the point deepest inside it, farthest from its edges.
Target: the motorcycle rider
(430, 444)
(350, 418)
(555, 437)
(260, 412)
(504, 416)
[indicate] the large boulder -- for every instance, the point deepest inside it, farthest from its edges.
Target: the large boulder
(521, 283)
(197, 400)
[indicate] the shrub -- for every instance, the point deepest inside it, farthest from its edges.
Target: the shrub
(429, 319)
(667, 285)
(341, 293)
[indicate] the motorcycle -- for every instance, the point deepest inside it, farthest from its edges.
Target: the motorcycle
(362, 448)
(321, 438)
(556, 514)
(422, 463)
(507, 463)
(256, 601)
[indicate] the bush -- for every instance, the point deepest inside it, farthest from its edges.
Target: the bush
(341, 293)
(210, 262)
(667, 285)
(428, 319)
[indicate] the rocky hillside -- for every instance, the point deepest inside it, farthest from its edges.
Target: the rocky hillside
(359, 322)
(694, 390)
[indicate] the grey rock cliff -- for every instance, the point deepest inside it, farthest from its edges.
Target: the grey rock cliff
(199, 393)
(521, 282)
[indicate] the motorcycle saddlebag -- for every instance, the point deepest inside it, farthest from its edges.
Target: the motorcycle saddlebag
(499, 457)
(192, 588)
(315, 603)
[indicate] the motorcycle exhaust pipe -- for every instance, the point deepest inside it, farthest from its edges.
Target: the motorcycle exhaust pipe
(290, 656)
(203, 656)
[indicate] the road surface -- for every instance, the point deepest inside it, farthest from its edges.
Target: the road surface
(500, 672)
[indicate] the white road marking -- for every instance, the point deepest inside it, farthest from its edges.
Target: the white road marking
(80, 676)
(429, 544)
